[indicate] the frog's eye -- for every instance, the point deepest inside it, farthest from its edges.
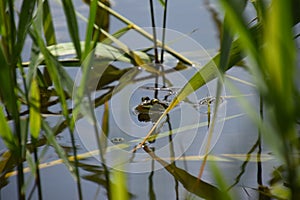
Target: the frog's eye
(145, 98)
(153, 101)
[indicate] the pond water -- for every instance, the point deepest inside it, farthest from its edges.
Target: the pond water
(191, 31)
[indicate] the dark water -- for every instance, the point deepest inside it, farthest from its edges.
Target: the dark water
(191, 22)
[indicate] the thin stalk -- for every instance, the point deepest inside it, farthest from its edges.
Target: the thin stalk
(164, 32)
(144, 33)
(163, 75)
(155, 46)
(78, 182)
(34, 141)
(154, 32)
(100, 150)
(259, 167)
(156, 86)
(172, 154)
(211, 129)
(244, 165)
(150, 180)
(37, 171)
(12, 58)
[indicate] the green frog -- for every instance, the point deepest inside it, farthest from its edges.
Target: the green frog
(151, 106)
(150, 109)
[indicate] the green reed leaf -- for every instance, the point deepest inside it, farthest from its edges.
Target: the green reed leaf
(6, 163)
(72, 25)
(34, 111)
(137, 60)
(7, 89)
(25, 20)
(58, 149)
(48, 26)
(5, 132)
(280, 68)
(90, 28)
(238, 23)
(105, 129)
(117, 34)
(119, 189)
(56, 71)
(81, 90)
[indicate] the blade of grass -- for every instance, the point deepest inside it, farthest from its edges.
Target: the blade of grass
(72, 25)
(11, 31)
(25, 20)
(138, 61)
(105, 128)
(60, 152)
(6, 133)
(135, 57)
(119, 189)
(48, 26)
(117, 34)
(226, 42)
(34, 110)
(101, 21)
(81, 90)
(279, 63)
(4, 29)
(9, 58)
(55, 70)
(238, 24)
(90, 28)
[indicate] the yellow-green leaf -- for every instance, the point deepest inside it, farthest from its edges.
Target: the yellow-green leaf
(5, 131)
(34, 111)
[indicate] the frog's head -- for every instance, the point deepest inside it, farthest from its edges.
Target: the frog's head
(154, 101)
(145, 99)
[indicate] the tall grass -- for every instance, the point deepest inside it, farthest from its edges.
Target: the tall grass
(273, 64)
